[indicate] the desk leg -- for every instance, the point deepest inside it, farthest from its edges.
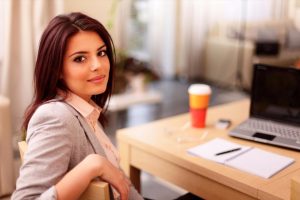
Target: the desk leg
(133, 172)
(135, 177)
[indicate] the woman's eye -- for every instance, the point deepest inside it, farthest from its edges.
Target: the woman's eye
(79, 59)
(102, 53)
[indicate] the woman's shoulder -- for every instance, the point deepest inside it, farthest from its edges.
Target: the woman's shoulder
(53, 106)
(52, 115)
(53, 109)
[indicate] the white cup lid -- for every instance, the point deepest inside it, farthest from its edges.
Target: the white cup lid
(199, 89)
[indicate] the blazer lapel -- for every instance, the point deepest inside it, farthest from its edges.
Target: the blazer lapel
(88, 131)
(91, 136)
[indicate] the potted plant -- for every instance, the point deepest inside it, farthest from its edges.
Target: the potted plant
(132, 74)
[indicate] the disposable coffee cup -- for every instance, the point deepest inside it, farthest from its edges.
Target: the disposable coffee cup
(199, 96)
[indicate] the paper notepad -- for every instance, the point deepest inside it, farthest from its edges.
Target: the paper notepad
(253, 160)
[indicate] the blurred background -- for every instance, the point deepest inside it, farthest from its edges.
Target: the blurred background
(162, 46)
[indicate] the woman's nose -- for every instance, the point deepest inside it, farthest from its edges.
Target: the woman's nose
(95, 64)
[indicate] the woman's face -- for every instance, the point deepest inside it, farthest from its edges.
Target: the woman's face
(86, 65)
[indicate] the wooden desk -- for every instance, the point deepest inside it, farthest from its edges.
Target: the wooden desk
(154, 148)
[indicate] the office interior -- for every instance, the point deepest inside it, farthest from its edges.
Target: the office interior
(167, 45)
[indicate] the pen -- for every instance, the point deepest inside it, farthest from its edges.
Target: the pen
(228, 151)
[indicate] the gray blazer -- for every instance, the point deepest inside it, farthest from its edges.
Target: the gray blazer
(58, 138)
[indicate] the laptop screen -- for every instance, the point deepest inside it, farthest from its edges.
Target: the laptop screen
(276, 93)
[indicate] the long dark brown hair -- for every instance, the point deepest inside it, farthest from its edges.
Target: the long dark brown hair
(49, 63)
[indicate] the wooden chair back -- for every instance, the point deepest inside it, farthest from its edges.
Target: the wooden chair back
(97, 190)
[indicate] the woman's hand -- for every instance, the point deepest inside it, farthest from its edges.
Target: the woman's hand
(109, 173)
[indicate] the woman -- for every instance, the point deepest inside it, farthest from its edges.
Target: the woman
(67, 147)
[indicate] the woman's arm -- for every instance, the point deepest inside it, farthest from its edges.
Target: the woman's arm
(73, 184)
(47, 159)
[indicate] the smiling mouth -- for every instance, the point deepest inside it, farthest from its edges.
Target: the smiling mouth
(97, 79)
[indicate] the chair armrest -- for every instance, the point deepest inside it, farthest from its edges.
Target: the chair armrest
(96, 190)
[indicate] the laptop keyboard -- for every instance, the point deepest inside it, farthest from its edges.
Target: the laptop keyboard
(271, 128)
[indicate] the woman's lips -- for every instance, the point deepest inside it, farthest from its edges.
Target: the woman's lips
(97, 79)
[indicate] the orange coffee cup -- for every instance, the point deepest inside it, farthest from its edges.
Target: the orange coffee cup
(199, 95)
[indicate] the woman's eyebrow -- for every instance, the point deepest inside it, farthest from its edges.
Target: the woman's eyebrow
(85, 52)
(101, 47)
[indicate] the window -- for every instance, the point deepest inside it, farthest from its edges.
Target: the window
(138, 30)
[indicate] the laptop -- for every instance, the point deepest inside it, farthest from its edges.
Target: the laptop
(275, 108)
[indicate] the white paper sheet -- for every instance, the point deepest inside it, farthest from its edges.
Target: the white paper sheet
(253, 160)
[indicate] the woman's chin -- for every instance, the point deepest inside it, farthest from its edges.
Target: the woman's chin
(99, 91)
